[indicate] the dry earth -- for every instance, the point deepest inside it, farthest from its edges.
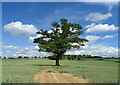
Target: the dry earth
(56, 77)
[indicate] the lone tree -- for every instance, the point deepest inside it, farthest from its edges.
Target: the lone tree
(63, 37)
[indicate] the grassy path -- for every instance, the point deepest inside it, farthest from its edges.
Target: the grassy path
(47, 76)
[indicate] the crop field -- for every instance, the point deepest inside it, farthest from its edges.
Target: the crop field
(23, 70)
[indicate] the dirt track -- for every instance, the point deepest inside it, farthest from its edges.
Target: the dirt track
(57, 77)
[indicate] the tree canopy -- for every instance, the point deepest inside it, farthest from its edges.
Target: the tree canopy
(61, 38)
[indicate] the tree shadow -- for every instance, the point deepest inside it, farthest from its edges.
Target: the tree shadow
(49, 65)
(42, 65)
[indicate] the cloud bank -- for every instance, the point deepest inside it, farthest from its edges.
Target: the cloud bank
(100, 28)
(92, 38)
(99, 50)
(19, 29)
(31, 51)
(97, 16)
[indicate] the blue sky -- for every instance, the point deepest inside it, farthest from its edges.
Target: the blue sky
(99, 21)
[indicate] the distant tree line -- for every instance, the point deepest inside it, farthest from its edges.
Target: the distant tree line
(19, 57)
(67, 57)
(74, 57)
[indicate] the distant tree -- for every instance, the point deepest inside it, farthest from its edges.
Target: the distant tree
(74, 56)
(60, 39)
(26, 57)
(113, 57)
(4, 57)
(11, 58)
(83, 55)
(35, 57)
(19, 56)
(68, 58)
(78, 58)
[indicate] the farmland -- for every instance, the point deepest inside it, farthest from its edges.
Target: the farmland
(96, 71)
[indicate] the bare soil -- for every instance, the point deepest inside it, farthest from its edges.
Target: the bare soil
(57, 77)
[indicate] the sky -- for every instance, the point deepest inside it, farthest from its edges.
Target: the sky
(21, 21)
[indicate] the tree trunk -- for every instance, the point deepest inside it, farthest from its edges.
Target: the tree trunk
(57, 61)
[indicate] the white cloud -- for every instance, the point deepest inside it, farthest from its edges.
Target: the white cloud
(89, 26)
(74, 43)
(31, 39)
(92, 38)
(108, 36)
(97, 16)
(111, 5)
(99, 50)
(46, 39)
(10, 47)
(30, 51)
(17, 28)
(50, 31)
(100, 28)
